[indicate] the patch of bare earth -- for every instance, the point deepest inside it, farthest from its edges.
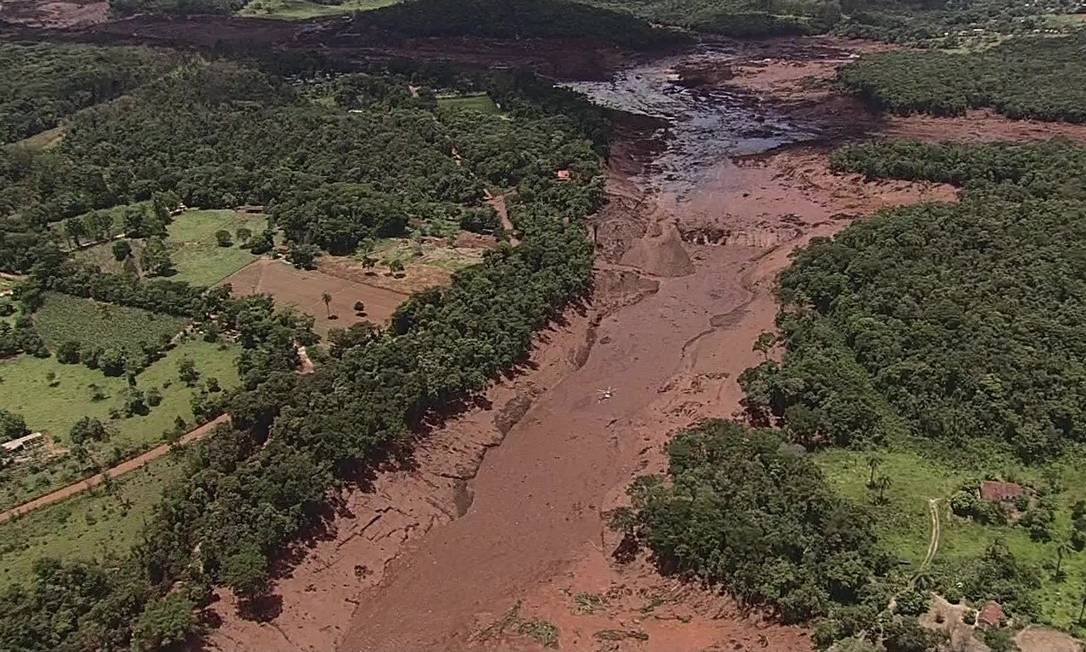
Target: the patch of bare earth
(57, 14)
(304, 290)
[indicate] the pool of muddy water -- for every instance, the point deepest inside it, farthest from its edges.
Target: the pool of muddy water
(702, 125)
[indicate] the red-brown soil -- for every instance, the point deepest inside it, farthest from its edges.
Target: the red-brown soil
(303, 289)
(58, 14)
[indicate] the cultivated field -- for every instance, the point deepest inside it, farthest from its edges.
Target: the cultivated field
(94, 525)
(480, 102)
(303, 289)
(196, 255)
(65, 318)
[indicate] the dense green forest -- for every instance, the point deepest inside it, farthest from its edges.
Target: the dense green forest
(40, 84)
(950, 24)
(744, 509)
(949, 321)
(1040, 78)
(931, 23)
(218, 134)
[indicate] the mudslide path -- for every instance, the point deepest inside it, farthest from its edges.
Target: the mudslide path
(713, 247)
(494, 537)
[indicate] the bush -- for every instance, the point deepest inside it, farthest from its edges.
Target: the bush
(907, 635)
(122, 249)
(68, 352)
(112, 361)
(913, 602)
(164, 623)
(12, 426)
(88, 429)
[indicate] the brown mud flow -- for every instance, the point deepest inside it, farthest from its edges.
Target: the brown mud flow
(492, 537)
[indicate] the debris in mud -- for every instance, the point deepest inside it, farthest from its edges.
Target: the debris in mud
(660, 253)
(621, 635)
(541, 631)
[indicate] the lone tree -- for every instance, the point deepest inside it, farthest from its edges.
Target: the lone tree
(764, 344)
(882, 484)
(222, 238)
(327, 299)
(122, 249)
(873, 463)
(360, 307)
(1062, 548)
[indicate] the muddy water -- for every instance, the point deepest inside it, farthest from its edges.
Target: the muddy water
(700, 125)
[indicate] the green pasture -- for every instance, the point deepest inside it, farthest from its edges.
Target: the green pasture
(480, 102)
(303, 9)
(196, 255)
(94, 525)
(904, 522)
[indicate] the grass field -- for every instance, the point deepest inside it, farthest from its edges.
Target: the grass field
(63, 317)
(90, 526)
(54, 409)
(42, 141)
(430, 251)
(197, 257)
(303, 9)
(904, 523)
(480, 102)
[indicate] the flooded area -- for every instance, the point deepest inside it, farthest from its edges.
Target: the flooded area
(700, 125)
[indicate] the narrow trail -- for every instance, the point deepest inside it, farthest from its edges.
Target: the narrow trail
(127, 466)
(936, 533)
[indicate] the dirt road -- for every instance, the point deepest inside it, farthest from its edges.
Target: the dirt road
(117, 471)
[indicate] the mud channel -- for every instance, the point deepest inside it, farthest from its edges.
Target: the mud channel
(495, 529)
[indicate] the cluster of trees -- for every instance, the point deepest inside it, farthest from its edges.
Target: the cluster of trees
(745, 509)
(956, 322)
(517, 19)
(1049, 169)
(946, 24)
(1040, 78)
(737, 18)
(12, 426)
(42, 83)
(20, 336)
(250, 488)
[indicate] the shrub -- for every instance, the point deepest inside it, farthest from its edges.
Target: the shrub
(88, 429)
(12, 426)
(913, 602)
(68, 352)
